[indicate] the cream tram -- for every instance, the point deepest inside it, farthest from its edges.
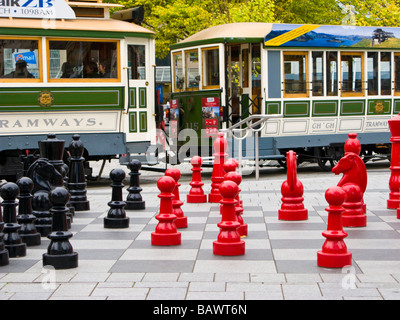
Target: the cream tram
(68, 67)
(323, 81)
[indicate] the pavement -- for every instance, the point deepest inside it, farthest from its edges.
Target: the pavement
(280, 261)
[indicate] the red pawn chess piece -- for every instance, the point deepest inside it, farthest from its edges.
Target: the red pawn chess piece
(237, 178)
(166, 233)
(181, 220)
(228, 242)
(394, 182)
(292, 208)
(217, 177)
(196, 193)
(334, 252)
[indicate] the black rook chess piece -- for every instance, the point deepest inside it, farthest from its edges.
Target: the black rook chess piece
(4, 258)
(60, 253)
(12, 239)
(25, 217)
(77, 181)
(116, 216)
(134, 200)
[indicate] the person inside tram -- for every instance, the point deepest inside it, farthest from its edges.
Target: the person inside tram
(91, 70)
(21, 71)
(104, 69)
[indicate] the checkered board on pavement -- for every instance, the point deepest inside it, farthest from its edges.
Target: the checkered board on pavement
(272, 245)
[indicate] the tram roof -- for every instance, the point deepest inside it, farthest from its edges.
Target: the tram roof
(81, 26)
(297, 35)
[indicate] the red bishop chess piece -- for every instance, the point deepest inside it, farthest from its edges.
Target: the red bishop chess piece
(166, 233)
(217, 177)
(394, 182)
(228, 242)
(196, 193)
(354, 183)
(181, 220)
(237, 178)
(292, 208)
(334, 252)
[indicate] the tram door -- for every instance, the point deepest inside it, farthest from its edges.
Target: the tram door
(244, 87)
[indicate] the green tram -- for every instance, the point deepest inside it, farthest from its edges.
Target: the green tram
(69, 68)
(323, 81)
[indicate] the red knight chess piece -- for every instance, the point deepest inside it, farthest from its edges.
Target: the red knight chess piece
(292, 207)
(217, 177)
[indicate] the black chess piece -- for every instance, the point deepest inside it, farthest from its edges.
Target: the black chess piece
(60, 253)
(12, 239)
(116, 216)
(134, 199)
(25, 216)
(71, 209)
(41, 210)
(4, 258)
(77, 180)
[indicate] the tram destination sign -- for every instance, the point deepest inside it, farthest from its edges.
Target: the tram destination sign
(36, 9)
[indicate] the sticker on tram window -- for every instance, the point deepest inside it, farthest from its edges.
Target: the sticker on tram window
(39, 9)
(28, 57)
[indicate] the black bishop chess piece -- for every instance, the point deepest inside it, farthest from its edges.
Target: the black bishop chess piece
(60, 253)
(4, 258)
(25, 217)
(76, 176)
(12, 239)
(116, 216)
(134, 200)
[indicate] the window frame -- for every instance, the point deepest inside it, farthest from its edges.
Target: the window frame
(187, 87)
(89, 80)
(352, 94)
(396, 77)
(40, 59)
(175, 88)
(306, 70)
(203, 68)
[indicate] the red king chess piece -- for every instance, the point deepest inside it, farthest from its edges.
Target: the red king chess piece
(354, 183)
(394, 182)
(196, 193)
(220, 146)
(181, 220)
(166, 233)
(228, 242)
(292, 208)
(334, 252)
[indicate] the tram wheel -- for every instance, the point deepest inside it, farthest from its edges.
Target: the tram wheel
(326, 164)
(327, 157)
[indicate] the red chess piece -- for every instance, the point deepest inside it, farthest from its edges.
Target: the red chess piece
(236, 177)
(230, 165)
(181, 220)
(334, 252)
(394, 182)
(217, 177)
(292, 208)
(196, 193)
(228, 242)
(166, 233)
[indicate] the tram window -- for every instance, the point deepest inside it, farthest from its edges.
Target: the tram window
(178, 71)
(397, 73)
(385, 69)
(137, 62)
(318, 74)
(295, 74)
(210, 68)
(82, 59)
(192, 69)
(331, 73)
(19, 59)
(372, 73)
(352, 75)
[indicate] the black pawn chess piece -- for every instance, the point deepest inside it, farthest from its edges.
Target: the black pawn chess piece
(12, 239)
(4, 258)
(60, 253)
(25, 217)
(77, 181)
(116, 216)
(134, 199)
(41, 210)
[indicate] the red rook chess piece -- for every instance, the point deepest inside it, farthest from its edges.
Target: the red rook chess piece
(166, 233)
(196, 193)
(228, 242)
(181, 220)
(334, 252)
(220, 146)
(292, 207)
(394, 182)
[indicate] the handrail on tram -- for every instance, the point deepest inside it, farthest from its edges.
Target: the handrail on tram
(256, 127)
